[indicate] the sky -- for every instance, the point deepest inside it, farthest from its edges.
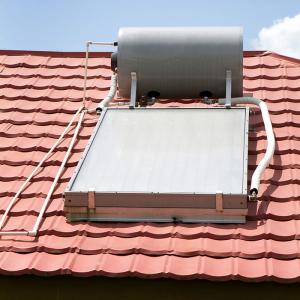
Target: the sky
(65, 25)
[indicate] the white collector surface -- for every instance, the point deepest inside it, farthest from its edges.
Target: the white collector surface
(166, 151)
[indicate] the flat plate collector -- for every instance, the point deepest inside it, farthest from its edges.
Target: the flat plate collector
(163, 164)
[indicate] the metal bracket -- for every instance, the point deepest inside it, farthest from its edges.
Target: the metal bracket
(228, 89)
(91, 201)
(132, 103)
(219, 201)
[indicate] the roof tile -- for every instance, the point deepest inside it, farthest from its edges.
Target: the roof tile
(40, 92)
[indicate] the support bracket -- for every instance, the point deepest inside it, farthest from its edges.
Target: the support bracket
(91, 201)
(228, 89)
(219, 201)
(132, 103)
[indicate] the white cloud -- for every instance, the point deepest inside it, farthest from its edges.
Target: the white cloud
(282, 37)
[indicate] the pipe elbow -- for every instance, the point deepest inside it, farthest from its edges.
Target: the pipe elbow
(32, 233)
(110, 95)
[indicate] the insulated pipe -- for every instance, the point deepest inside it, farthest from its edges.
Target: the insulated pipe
(13, 200)
(110, 95)
(255, 181)
(34, 231)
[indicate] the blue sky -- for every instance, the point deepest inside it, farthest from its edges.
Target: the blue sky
(65, 25)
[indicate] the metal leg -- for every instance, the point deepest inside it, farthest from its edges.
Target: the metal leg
(228, 89)
(133, 90)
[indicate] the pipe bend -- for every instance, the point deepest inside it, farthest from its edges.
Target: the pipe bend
(263, 164)
(110, 95)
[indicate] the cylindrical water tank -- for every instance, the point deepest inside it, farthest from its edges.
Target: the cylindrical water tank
(180, 62)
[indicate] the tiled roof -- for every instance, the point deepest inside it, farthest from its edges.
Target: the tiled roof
(39, 92)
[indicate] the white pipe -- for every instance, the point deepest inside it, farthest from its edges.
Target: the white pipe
(34, 231)
(13, 200)
(15, 232)
(102, 43)
(86, 63)
(85, 72)
(46, 202)
(36, 226)
(110, 95)
(255, 181)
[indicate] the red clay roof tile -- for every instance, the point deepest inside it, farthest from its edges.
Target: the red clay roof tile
(39, 92)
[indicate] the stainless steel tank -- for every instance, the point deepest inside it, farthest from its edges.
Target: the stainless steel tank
(180, 62)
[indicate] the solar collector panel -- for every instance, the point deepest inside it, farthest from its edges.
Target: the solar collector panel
(164, 157)
(166, 150)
